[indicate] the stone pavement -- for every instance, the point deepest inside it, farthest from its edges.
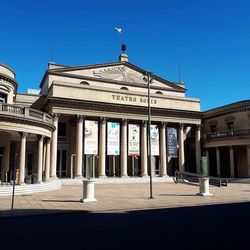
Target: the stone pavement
(121, 197)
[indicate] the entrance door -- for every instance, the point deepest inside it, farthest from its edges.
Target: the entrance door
(61, 165)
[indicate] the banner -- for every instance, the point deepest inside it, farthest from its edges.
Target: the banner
(113, 138)
(91, 138)
(172, 142)
(133, 140)
(154, 140)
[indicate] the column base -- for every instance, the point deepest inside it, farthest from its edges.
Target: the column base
(52, 178)
(124, 176)
(204, 194)
(78, 177)
(144, 176)
(164, 175)
(102, 176)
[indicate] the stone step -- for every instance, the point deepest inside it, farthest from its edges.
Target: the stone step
(30, 188)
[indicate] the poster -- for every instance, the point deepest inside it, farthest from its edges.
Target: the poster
(113, 138)
(133, 140)
(172, 142)
(91, 138)
(154, 140)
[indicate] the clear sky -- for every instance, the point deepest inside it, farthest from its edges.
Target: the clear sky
(209, 39)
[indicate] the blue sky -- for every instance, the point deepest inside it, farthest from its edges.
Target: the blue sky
(210, 40)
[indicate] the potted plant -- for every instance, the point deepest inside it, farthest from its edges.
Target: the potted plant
(34, 179)
(28, 179)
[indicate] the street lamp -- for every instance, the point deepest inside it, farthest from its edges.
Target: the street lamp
(148, 78)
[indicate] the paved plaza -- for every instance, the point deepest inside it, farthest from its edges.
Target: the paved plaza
(122, 197)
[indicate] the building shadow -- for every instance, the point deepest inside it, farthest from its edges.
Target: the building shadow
(200, 227)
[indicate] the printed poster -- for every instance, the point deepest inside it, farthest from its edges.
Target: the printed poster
(154, 140)
(91, 138)
(113, 145)
(133, 140)
(172, 142)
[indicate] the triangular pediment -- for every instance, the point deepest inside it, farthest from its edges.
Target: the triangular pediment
(122, 72)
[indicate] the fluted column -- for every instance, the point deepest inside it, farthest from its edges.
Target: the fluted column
(124, 150)
(248, 159)
(163, 166)
(47, 159)
(231, 151)
(40, 159)
(22, 157)
(218, 161)
(79, 147)
(198, 148)
(181, 149)
(102, 148)
(144, 150)
(54, 148)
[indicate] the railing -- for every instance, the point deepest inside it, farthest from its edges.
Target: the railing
(25, 112)
(230, 133)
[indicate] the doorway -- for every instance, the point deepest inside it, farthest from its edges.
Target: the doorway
(61, 165)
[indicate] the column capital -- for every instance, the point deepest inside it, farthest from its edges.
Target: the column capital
(55, 116)
(23, 134)
(181, 126)
(198, 126)
(103, 120)
(47, 140)
(124, 122)
(144, 123)
(80, 118)
(163, 125)
(40, 137)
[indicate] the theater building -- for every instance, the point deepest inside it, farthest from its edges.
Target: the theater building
(226, 138)
(92, 120)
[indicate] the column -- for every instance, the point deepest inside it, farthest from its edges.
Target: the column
(79, 147)
(124, 149)
(163, 156)
(208, 163)
(248, 159)
(144, 150)
(198, 148)
(40, 159)
(54, 148)
(102, 148)
(218, 161)
(47, 159)
(22, 157)
(231, 151)
(181, 149)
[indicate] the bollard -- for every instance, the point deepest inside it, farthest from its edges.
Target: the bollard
(204, 187)
(88, 191)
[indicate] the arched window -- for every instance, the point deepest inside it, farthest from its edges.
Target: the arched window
(159, 92)
(124, 88)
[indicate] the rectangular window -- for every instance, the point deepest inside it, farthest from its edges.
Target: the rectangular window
(213, 128)
(230, 125)
(61, 129)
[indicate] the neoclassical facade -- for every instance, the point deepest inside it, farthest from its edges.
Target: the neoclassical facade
(226, 139)
(25, 134)
(66, 131)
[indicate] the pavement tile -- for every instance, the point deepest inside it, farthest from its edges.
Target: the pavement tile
(122, 197)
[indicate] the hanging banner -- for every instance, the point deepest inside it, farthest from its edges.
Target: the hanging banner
(133, 140)
(113, 146)
(172, 142)
(154, 140)
(91, 138)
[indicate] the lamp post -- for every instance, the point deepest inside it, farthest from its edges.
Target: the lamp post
(148, 78)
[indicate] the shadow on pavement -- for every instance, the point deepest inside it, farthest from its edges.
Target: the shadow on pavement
(203, 227)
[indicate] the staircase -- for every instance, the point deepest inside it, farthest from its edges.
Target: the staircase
(7, 189)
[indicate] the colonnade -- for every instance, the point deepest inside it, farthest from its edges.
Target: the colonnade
(124, 148)
(231, 159)
(40, 160)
